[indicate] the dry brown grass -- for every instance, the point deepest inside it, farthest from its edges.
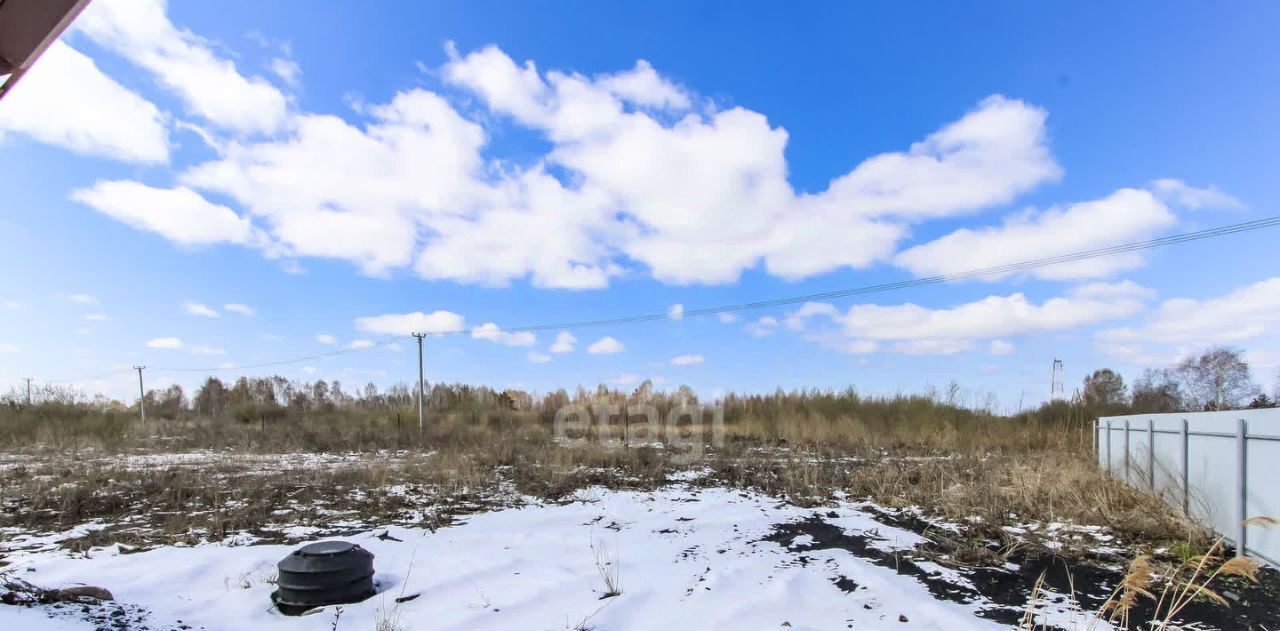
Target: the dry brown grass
(980, 471)
(467, 468)
(984, 492)
(843, 421)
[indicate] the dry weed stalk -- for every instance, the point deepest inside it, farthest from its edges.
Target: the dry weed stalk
(608, 569)
(1140, 576)
(1182, 585)
(1191, 581)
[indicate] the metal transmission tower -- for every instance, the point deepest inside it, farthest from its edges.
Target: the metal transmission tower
(420, 393)
(1056, 390)
(142, 395)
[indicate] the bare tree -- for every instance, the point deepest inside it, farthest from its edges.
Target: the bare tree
(989, 404)
(953, 393)
(168, 403)
(686, 396)
(931, 392)
(320, 393)
(643, 392)
(1105, 387)
(212, 398)
(440, 398)
(1217, 379)
(1157, 391)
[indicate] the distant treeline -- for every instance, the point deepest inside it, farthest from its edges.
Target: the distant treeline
(1217, 379)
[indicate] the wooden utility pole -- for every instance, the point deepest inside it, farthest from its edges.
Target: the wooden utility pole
(142, 395)
(421, 424)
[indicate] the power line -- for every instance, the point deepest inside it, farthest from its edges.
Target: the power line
(386, 341)
(113, 373)
(997, 270)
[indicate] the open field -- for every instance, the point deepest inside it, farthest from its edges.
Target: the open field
(870, 316)
(808, 509)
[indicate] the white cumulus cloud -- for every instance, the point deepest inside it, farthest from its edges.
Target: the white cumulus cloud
(1125, 215)
(67, 101)
(686, 360)
(178, 214)
(762, 326)
(1247, 313)
(639, 173)
(915, 330)
(493, 333)
(436, 322)
(325, 338)
(709, 192)
(564, 343)
(605, 346)
(208, 84)
(416, 162)
(197, 309)
(1179, 193)
(169, 343)
(287, 69)
(244, 310)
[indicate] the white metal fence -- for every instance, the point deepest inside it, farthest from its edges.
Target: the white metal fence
(1221, 468)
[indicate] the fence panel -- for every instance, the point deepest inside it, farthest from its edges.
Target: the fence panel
(1219, 467)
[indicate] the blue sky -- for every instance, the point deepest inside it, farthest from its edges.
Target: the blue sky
(336, 170)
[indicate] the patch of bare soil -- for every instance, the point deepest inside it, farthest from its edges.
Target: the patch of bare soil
(1010, 585)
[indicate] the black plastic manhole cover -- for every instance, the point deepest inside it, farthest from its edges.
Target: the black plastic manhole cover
(326, 548)
(324, 573)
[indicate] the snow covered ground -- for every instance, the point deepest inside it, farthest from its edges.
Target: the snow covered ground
(208, 459)
(685, 558)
